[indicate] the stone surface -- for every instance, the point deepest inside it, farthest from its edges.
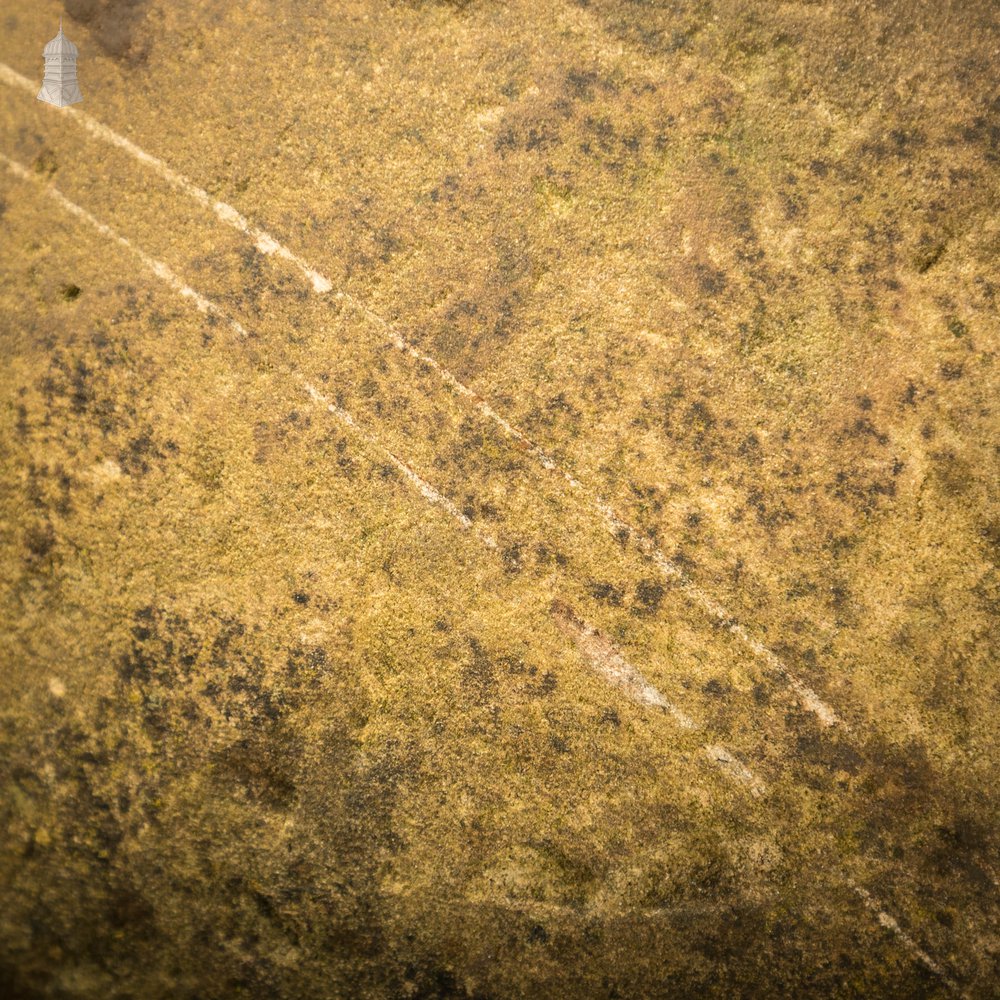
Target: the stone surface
(296, 705)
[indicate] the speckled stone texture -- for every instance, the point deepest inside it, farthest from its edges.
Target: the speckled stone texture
(593, 593)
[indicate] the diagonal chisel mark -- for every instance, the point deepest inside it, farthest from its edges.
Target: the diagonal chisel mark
(611, 664)
(264, 242)
(891, 924)
(157, 267)
(424, 488)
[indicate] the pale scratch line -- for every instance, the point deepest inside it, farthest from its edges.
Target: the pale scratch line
(602, 655)
(585, 911)
(890, 923)
(608, 661)
(597, 650)
(264, 242)
(205, 305)
(612, 665)
(613, 521)
(423, 487)
(727, 761)
(157, 267)
(269, 245)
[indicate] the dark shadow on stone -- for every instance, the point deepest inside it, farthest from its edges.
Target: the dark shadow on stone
(112, 24)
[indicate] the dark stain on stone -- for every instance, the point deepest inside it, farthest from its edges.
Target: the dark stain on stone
(606, 592)
(114, 25)
(264, 764)
(649, 596)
